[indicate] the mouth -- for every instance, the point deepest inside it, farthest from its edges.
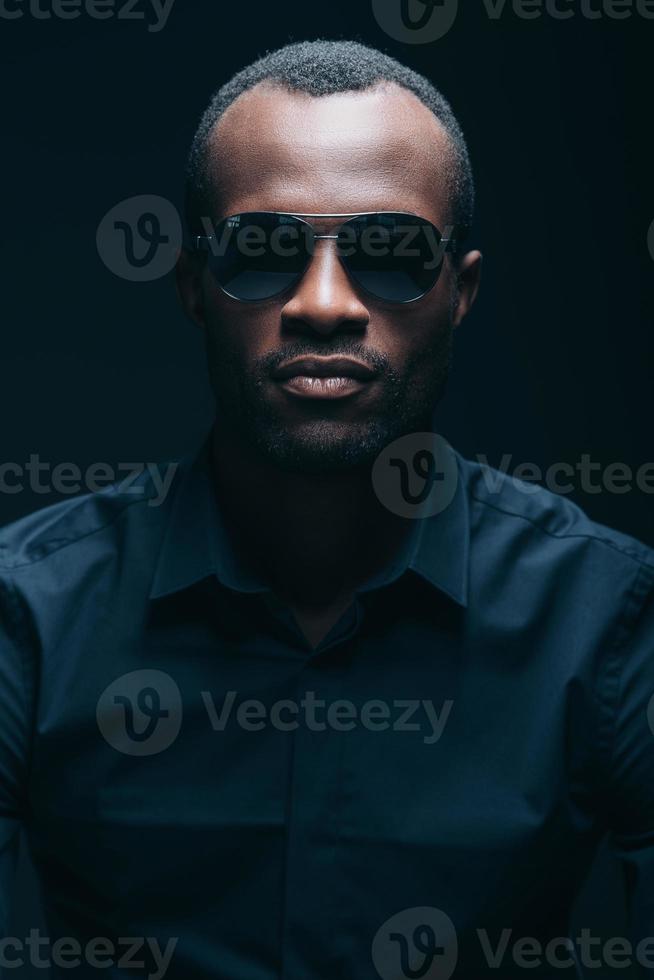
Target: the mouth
(323, 377)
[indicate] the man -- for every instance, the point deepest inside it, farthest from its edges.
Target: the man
(287, 724)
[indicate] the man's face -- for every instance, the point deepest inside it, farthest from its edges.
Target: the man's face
(379, 150)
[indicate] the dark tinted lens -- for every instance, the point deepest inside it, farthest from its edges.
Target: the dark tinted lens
(254, 256)
(396, 257)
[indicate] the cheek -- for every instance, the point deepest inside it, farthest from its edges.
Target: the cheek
(414, 336)
(243, 331)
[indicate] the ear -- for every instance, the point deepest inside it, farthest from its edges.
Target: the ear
(468, 276)
(188, 279)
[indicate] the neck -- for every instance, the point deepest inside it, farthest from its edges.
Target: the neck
(316, 536)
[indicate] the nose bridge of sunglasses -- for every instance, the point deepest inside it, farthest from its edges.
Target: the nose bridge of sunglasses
(292, 235)
(321, 231)
(353, 233)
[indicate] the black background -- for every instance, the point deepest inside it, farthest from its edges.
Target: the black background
(555, 360)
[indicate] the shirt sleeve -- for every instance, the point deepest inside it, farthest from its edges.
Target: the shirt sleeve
(13, 743)
(631, 780)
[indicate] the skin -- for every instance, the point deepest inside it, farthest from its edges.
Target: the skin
(315, 526)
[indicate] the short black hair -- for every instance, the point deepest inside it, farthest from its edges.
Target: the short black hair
(325, 67)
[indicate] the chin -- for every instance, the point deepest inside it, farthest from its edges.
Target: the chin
(324, 447)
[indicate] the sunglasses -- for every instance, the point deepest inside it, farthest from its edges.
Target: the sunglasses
(394, 256)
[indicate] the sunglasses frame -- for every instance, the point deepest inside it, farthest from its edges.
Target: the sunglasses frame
(202, 243)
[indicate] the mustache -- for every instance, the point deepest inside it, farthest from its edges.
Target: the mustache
(340, 347)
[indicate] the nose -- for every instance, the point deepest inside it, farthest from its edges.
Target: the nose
(324, 301)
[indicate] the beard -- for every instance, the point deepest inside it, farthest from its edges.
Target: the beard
(321, 444)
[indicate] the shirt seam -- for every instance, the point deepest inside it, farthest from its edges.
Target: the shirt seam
(589, 536)
(70, 541)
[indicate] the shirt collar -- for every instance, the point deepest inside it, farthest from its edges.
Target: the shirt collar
(198, 544)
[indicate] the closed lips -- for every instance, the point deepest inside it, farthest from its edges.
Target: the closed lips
(323, 367)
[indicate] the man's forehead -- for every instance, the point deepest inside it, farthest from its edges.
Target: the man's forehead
(380, 149)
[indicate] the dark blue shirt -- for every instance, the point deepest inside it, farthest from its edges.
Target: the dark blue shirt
(439, 769)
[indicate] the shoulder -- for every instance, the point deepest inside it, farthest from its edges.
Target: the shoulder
(524, 515)
(65, 531)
